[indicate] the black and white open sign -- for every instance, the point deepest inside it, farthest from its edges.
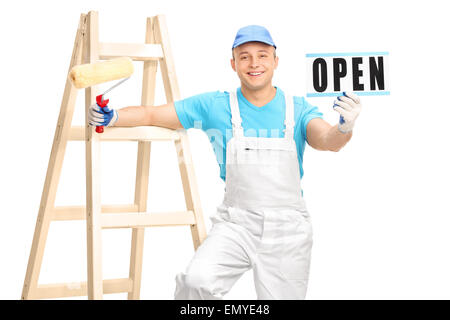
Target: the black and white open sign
(365, 73)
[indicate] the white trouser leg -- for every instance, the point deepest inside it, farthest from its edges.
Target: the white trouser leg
(217, 264)
(281, 265)
(272, 284)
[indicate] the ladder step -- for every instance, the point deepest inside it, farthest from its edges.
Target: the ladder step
(135, 51)
(64, 213)
(76, 289)
(160, 219)
(143, 133)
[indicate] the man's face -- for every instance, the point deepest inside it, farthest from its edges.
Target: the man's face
(254, 63)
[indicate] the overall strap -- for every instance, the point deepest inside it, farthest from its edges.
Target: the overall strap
(289, 122)
(235, 115)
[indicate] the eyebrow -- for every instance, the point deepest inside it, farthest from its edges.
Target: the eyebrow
(262, 50)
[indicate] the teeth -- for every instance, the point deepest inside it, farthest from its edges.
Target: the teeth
(255, 73)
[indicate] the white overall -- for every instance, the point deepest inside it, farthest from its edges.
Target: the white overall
(262, 223)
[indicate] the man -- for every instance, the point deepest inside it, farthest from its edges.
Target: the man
(263, 223)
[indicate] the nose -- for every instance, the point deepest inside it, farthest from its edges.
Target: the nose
(254, 63)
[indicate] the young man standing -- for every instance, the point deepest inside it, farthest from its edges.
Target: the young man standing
(263, 223)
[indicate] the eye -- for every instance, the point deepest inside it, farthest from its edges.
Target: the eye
(244, 57)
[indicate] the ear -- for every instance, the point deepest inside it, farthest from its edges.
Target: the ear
(233, 64)
(276, 62)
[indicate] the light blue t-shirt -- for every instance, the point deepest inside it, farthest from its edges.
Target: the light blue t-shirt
(211, 113)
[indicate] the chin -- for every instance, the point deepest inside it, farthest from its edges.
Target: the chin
(255, 86)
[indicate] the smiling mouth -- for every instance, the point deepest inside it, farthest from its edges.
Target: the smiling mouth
(255, 74)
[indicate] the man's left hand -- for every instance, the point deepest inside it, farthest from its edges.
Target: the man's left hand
(349, 106)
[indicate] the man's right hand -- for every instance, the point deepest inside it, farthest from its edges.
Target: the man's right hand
(105, 116)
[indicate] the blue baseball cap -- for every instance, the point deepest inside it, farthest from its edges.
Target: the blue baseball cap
(253, 33)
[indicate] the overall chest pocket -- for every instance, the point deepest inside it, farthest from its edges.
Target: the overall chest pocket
(265, 151)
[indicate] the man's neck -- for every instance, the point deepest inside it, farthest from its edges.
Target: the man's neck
(260, 97)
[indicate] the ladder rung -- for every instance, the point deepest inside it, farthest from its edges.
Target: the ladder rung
(136, 51)
(160, 219)
(143, 133)
(63, 213)
(75, 289)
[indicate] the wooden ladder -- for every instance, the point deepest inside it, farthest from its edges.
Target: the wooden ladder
(88, 49)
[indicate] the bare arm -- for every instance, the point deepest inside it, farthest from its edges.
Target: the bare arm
(322, 136)
(161, 116)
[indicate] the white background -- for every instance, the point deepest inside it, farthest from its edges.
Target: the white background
(379, 206)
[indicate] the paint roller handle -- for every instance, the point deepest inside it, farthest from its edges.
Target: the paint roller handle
(101, 115)
(101, 103)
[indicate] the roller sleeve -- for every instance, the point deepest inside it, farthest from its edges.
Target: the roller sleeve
(86, 75)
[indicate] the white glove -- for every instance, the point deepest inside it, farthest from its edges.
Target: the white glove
(105, 116)
(349, 106)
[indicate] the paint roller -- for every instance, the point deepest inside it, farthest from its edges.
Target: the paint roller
(86, 75)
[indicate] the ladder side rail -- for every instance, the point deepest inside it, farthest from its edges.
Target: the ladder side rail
(93, 167)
